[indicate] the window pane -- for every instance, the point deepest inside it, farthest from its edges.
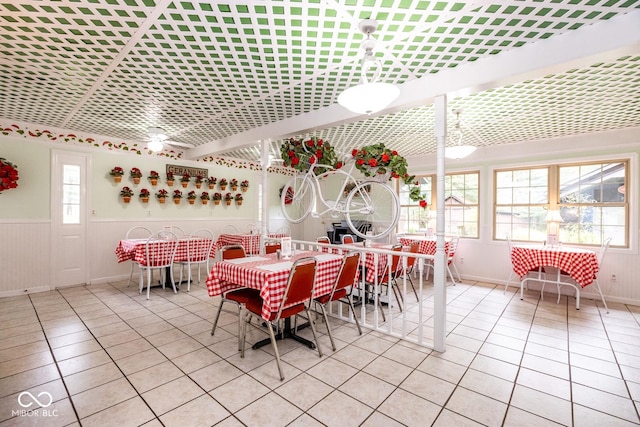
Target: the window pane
(70, 194)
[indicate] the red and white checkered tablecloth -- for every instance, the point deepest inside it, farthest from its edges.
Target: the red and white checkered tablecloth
(250, 242)
(427, 246)
(372, 268)
(581, 264)
(227, 275)
(135, 249)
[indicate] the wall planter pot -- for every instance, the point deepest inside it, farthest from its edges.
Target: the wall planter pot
(177, 200)
(234, 188)
(154, 181)
(144, 199)
(192, 201)
(126, 199)
(198, 184)
(161, 199)
(223, 187)
(205, 201)
(211, 186)
(239, 202)
(185, 183)
(136, 180)
(117, 178)
(170, 182)
(216, 202)
(228, 202)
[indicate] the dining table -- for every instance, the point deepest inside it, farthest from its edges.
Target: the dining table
(427, 244)
(249, 241)
(578, 263)
(269, 275)
(135, 250)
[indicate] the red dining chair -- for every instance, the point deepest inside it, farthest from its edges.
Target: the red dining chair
(237, 296)
(160, 250)
(388, 278)
(296, 299)
(347, 239)
(272, 247)
(345, 282)
(411, 262)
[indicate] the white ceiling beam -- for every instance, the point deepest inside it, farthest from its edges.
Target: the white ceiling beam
(601, 42)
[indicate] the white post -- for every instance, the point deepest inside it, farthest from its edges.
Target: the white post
(264, 191)
(439, 272)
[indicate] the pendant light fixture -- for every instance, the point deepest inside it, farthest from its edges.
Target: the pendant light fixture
(370, 96)
(457, 150)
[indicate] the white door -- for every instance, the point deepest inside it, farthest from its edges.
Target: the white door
(69, 175)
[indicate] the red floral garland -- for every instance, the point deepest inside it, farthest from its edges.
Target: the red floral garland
(8, 175)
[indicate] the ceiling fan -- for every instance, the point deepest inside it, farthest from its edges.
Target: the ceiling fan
(159, 138)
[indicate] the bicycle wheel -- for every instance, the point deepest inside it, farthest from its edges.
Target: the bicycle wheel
(297, 199)
(372, 206)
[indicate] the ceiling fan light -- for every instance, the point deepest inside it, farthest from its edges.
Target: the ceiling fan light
(458, 152)
(155, 145)
(367, 98)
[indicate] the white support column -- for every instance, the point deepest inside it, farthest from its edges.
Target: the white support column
(439, 270)
(264, 190)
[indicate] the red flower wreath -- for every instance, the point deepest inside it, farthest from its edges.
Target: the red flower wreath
(8, 175)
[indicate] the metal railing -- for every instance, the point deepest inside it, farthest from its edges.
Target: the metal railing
(411, 320)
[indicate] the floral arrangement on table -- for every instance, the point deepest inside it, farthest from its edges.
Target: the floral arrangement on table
(244, 185)
(379, 161)
(144, 195)
(135, 173)
(8, 175)
(116, 171)
(177, 194)
(300, 154)
(162, 194)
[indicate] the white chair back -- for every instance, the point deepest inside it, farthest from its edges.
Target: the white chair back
(230, 229)
(161, 249)
(199, 246)
(603, 249)
(138, 232)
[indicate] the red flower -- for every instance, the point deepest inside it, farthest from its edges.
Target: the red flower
(295, 161)
(360, 162)
(373, 163)
(320, 143)
(319, 154)
(423, 204)
(310, 143)
(354, 152)
(394, 152)
(385, 157)
(394, 175)
(312, 160)
(292, 154)
(338, 165)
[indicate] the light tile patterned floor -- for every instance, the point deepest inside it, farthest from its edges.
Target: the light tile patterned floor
(107, 356)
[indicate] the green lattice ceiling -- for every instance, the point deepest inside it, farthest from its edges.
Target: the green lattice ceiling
(208, 70)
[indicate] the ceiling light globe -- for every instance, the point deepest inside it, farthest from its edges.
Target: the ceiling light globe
(368, 98)
(155, 145)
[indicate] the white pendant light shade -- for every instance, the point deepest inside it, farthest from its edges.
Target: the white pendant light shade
(458, 152)
(367, 98)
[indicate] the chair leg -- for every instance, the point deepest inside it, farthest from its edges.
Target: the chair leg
(455, 268)
(313, 330)
(148, 282)
(353, 311)
(601, 295)
(275, 348)
(240, 312)
(215, 321)
(131, 274)
(453, 279)
(173, 283)
(397, 294)
(415, 292)
(326, 321)
(506, 285)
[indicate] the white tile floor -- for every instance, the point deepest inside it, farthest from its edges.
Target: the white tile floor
(107, 356)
